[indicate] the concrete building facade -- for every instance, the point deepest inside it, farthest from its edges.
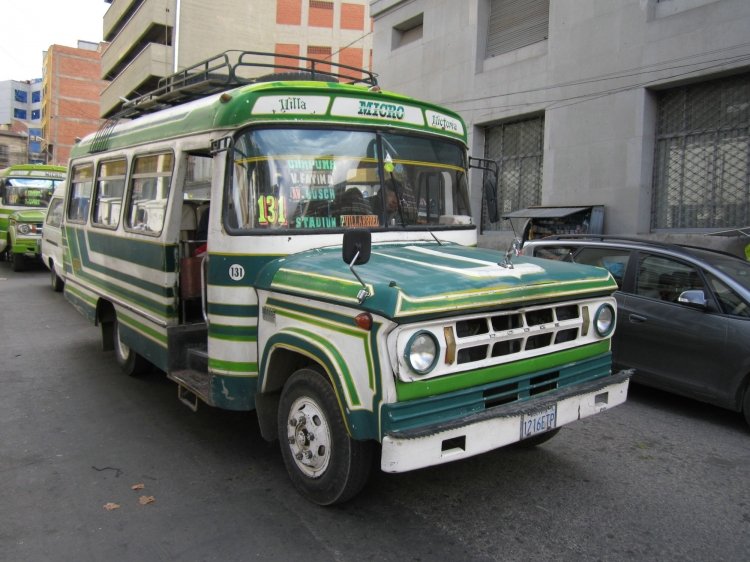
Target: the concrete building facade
(641, 106)
(70, 102)
(20, 114)
(151, 39)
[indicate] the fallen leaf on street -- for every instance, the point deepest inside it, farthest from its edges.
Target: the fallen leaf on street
(137, 486)
(144, 500)
(109, 506)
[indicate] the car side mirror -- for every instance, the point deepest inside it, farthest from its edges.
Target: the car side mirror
(694, 297)
(356, 247)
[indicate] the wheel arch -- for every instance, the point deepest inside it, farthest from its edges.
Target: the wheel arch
(105, 317)
(285, 353)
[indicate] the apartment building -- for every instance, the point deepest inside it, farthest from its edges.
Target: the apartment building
(641, 107)
(151, 39)
(70, 98)
(20, 119)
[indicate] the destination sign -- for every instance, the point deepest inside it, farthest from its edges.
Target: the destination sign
(291, 105)
(379, 110)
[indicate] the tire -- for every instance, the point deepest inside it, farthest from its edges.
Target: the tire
(129, 361)
(56, 282)
(746, 405)
(540, 438)
(19, 261)
(324, 463)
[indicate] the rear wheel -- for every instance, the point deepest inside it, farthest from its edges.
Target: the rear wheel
(130, 362)
(56, 282)
(746, 405)
(325, 464)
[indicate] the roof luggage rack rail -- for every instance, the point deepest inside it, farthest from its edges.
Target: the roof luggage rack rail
(236, 68)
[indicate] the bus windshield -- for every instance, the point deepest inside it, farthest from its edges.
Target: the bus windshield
(29, 192)
(303, 179)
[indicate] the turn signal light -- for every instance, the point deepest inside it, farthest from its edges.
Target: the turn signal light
(363, 320)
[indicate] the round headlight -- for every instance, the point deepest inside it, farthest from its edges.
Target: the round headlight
(422, 352)
(24, 228)
(604, 320)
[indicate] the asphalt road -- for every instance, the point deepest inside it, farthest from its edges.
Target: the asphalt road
(659, 478)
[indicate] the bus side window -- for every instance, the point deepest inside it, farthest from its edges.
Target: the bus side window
(149, 193)
(81, 184)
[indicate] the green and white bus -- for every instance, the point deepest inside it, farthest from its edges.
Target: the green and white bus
(25, 192)
(302, 246)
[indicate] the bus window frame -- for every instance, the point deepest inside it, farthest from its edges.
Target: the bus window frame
(132, 176)
(97, 189)
(72, 192)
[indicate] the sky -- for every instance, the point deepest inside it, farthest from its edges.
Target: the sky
(30, 27)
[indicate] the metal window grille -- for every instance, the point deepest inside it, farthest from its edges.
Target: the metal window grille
(702, 160)
(516, 23)
(517, 148)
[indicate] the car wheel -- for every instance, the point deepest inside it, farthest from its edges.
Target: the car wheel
(19, 261)
(130, 362)
(539, 438)
(56, 282)
(746, 404)
(324, 463)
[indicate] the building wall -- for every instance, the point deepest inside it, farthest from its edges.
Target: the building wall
(181, 33)
(594, 80)
(72, 88)
(20, 113)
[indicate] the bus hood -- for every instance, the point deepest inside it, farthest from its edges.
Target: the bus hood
(415, 280)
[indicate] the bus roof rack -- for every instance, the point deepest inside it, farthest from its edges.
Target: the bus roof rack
(236, 68)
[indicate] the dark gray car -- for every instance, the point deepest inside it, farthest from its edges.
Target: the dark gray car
(683, 318)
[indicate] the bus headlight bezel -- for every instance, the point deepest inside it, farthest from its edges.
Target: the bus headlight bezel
(604, 320)
(421, 352)
(23, 228)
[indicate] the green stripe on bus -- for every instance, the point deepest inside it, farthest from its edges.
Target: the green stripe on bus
(471, 378)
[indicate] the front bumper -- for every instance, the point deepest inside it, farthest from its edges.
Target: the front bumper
(28, 247)
(496, 427)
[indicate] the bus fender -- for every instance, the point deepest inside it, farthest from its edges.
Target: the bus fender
(285, 353)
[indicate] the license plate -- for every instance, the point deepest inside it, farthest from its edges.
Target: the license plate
(538, 422)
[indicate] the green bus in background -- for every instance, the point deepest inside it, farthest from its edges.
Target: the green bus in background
(25, 191)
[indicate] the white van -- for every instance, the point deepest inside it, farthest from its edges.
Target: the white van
(52, 245)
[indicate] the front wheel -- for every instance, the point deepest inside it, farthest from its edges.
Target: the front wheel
(19, 261)
(130, 362)
(746, 404)
(324, 463)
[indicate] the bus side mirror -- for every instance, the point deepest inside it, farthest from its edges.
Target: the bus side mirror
(356, 247)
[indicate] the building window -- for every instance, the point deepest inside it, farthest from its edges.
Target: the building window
(36, 96)
(352, 16)
(517, 147)
(21, 96)
(289, 12)
(35, 114)
(516, 23)
(286, 64)
(321, 14)
(320, 54)
(702, 157)
(19, 113)
(4, 156)
(407, 32)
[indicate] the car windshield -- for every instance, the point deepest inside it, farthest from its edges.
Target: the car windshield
(29, 192)
(321, 179)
